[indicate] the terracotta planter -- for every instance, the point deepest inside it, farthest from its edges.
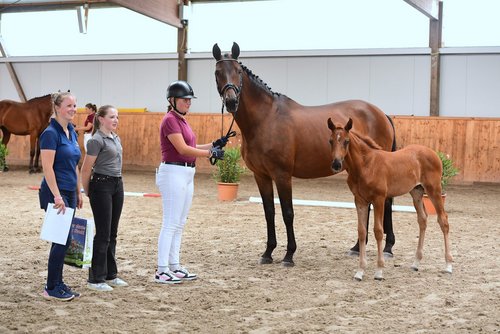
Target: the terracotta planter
(227, 191)
(429, 207)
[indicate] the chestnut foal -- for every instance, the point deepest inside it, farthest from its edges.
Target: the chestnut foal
(375, 174)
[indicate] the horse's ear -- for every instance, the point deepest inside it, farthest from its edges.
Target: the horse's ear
(330, 124)
(348, 126)
(216, 52)
(235, 50)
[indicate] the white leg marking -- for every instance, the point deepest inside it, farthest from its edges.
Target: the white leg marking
(359, 275)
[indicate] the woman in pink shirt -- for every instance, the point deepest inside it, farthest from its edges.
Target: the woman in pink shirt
(175, 178)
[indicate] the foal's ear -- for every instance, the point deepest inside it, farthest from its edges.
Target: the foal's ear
(330, 124)
(216, 52)
(348, 126)
(235, 50)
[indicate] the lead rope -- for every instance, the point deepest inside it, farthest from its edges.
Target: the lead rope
(228, 135)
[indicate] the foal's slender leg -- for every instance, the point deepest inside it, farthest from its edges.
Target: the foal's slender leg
(378, 230)
(265, 186)
(362, 210)
(284, 187)
(390, 238)
(442, 218)
(417, 193)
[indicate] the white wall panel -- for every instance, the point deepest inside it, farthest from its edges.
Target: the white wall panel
(453, 95)
(7, 88)
(348, 78)
(483, 85)
(391, 84)
(85, 78)
(399, 84)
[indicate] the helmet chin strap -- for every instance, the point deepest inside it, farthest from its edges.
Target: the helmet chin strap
(174, 106)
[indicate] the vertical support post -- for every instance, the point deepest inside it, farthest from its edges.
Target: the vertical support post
(182, 50)
(435, 42)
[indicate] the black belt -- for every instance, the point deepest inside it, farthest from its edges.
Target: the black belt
(102, 177)
(185, 164)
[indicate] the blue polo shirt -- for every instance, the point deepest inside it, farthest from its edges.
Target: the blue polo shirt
(67, 154)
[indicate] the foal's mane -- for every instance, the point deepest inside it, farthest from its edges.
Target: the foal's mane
(366, 140)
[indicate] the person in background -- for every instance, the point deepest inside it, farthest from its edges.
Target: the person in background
(60, 154)
(175, 179)
(91, 109)
(102, 183)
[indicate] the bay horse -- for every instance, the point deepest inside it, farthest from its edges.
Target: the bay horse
(282, 139)
(26, 118)
(374, 175)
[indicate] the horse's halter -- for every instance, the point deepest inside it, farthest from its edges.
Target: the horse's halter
(230, 85)
(222, 93)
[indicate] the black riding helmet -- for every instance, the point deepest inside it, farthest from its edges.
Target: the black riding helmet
(180, 89)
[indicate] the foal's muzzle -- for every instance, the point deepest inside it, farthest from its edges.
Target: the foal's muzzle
(337, 165)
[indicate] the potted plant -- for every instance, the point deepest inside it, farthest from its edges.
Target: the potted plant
(228, 173)
(449, 171)
(3, 154)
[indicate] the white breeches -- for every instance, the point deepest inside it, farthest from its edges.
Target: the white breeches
(86, 137)
(176, 185)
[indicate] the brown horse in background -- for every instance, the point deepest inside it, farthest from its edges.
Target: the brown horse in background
(28, 118)
(374, 175)
(283, 139)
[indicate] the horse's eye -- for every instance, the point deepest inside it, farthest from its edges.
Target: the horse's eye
(346, 142)
(330, 141)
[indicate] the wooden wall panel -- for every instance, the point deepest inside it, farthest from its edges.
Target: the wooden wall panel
(473, 143)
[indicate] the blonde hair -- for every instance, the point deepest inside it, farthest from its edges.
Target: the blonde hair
(58, 98)
(102, 111)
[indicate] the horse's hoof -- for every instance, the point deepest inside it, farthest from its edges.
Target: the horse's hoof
(388, 255)
(448, 269)
(378, 278)
(388, 250)
(352, 253)
(287, 264)
(265, 260)
(32, 171)
(359, 276)
(414, 268)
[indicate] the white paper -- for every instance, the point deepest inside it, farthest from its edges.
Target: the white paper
(55, 226)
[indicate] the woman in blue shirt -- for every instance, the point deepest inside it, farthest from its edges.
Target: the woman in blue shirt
(60, 154)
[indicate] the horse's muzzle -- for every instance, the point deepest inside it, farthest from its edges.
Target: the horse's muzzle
(231, 104)
(337, 165)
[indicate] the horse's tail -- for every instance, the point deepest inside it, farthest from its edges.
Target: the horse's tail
(394, 133)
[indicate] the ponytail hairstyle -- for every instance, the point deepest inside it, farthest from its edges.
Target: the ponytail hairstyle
(103, 111)
(57, 99)
(91, 106)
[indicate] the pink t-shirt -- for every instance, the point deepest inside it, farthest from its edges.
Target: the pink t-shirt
(171, 123)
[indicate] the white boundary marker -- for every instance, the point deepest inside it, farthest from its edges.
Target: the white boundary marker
(345, 205)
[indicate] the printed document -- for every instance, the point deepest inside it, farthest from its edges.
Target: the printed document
(55, 226)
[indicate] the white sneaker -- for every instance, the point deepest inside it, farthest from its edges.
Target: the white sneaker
(99, 286)
(183, 274)
(117, 282)
(167, 277)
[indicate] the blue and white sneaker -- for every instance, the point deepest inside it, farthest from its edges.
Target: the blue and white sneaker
(69, 290)
(58, 293)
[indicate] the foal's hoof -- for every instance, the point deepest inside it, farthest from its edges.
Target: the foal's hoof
(287, 264)
(265, 260)
(388, 250)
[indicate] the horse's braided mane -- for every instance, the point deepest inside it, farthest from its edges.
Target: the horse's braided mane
(367, 140)
(257, 80)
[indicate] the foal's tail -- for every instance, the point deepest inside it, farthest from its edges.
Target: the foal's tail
(394, 132)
